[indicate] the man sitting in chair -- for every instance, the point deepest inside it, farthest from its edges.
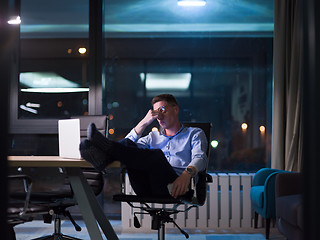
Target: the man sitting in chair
(171, 156)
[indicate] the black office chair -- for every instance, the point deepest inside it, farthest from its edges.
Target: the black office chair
(161, 216)
(61, 199)
(21, 211)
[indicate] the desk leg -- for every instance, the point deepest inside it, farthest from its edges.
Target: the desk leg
(89, 206)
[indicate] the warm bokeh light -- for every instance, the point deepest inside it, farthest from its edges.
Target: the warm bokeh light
(69, 51)
(110, 116)
(262, 129)
(82, 50)
(111, 131)
(59, 104)
(244, 126)
(155, 129)
(214, 143)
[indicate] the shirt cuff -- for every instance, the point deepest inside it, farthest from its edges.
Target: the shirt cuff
(132, 135)
(197, 163)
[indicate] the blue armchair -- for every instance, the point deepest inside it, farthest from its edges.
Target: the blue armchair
(262, 196)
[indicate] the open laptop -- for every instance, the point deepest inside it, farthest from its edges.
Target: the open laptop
(69, 138)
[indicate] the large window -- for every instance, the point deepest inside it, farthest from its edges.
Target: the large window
(227, 85)
(217, 61)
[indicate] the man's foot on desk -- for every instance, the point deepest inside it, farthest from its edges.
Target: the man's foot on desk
(98, 139)
(95, 156)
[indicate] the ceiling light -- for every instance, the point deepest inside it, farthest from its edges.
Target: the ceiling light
(166, 81)
(54, 90)
(15, 20)
(48, 82)
(45, 80)
(195, 3)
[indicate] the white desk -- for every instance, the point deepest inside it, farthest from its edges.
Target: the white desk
(91, 211)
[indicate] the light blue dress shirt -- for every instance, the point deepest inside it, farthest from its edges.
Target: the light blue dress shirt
(186, 148)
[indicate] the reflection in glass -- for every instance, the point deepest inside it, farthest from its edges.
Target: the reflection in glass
(166, 81)
(53, 61)
(52, 90)
(48, 82)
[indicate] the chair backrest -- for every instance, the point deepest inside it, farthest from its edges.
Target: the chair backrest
(94, 178)
(99, 120)
(203, 177)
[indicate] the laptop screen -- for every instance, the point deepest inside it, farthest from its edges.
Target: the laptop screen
(69, 138)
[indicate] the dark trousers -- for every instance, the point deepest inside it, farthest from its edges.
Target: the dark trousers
(148, 169)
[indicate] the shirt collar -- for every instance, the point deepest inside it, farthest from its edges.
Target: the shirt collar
(170, 137)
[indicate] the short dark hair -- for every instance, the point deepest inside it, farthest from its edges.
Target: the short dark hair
(170, 99)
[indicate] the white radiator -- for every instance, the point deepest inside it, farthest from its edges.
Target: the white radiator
(228, 205)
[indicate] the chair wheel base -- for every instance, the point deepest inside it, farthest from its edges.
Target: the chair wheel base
(57, 237)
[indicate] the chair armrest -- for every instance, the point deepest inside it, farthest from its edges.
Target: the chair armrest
(269, 195)
(269, 185)
(288, 183)
(261, 176)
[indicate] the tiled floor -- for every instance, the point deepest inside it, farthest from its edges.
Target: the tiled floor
(38, 228)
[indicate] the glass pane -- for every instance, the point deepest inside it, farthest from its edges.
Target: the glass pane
(53, 89)
(216, 60)
(53, 81)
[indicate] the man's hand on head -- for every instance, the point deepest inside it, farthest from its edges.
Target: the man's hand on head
(150, 116)
(146, 121)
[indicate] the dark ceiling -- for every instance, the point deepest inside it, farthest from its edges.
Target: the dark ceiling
(61, 18)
